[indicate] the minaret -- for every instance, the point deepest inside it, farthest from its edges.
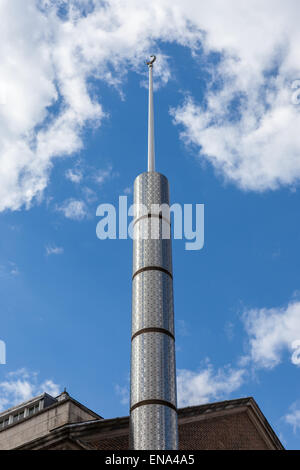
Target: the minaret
(153, 401)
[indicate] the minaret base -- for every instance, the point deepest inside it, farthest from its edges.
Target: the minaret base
(153, 401)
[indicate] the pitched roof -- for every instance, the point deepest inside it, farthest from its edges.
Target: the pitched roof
(237, 423)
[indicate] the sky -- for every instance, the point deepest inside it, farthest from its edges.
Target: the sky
(73, 135)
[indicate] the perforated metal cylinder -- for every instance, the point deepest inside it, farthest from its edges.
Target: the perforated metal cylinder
(153, 402)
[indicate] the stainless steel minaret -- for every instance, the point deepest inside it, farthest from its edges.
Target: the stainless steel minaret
(153, 402)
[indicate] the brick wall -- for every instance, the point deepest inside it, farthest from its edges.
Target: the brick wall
(233, 431)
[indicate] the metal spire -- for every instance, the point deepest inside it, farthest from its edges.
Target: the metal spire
(151, 151)
(153, 398)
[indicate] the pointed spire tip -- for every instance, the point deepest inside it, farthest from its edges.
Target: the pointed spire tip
(151, 151)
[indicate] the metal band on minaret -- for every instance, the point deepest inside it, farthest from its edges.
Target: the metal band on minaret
(153, 401)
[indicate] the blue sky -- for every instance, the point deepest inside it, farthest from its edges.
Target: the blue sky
(74, 135)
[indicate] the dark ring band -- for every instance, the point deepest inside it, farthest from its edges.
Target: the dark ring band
(152, 330)
(152, 268)
(149, 215)
(153, 402)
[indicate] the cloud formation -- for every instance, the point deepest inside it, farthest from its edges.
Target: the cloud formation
(293, 417)
(74, 174)
(21, 385)
(74, 209)
(195, 388)
(271, 332)
(54, 250)
(9, 270)
(246, 127)
(123, 393)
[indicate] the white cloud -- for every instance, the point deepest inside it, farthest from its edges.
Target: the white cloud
(128, 190)
(229, 330)
(47, 61)
(21, 385)
(195, 388)
(74, 209)
(74, 174)
(54, 250)
(182, 328)
(101, 176)
(14, 270)
(89, 194)
(9, 270)
(293, 418)
(123, 393)
(260, 149)
(271, 332)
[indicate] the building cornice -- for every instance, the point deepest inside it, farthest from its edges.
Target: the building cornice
(109, 428)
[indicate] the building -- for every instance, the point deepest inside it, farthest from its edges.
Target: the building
(62, 423)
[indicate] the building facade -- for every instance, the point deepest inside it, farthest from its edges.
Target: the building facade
(62, 423)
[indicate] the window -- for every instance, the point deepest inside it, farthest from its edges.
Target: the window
(15, 418)
(31, 411)
(21, 415)
(6, 421)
